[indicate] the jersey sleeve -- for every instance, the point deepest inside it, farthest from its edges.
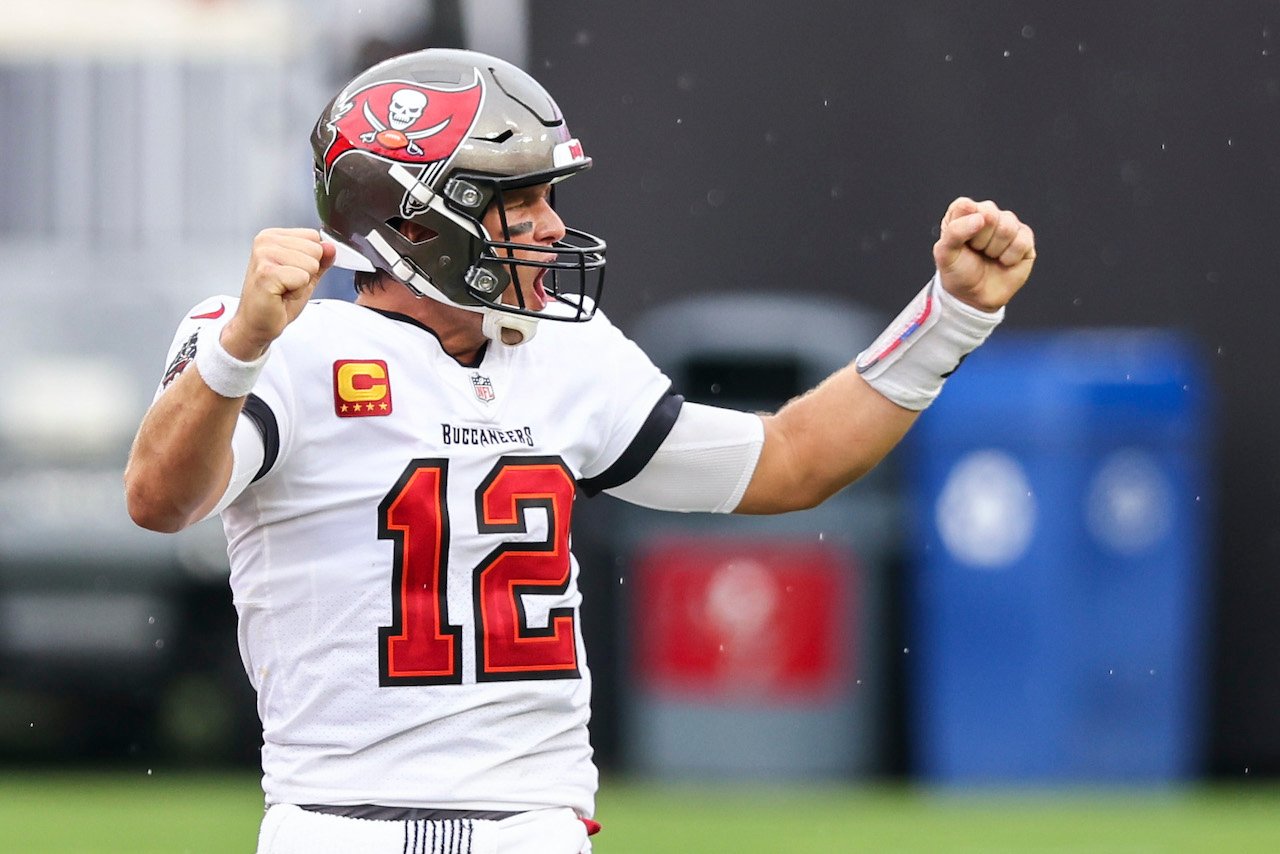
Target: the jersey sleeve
(248, 454)
(256, 444)
(269, 409)
(642, 408)
(182, 350)
(705, 463)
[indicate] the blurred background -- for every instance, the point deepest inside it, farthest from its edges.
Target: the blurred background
(1066, 575)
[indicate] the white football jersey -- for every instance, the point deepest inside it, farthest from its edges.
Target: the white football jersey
(408, 604)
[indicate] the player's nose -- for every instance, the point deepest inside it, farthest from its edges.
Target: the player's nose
(550, 228)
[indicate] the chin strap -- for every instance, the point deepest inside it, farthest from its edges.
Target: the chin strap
(507, 328)
(501, 326)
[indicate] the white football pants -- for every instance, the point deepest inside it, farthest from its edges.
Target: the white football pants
(288, 829)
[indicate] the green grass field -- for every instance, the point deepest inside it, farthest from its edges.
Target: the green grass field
(186, 812)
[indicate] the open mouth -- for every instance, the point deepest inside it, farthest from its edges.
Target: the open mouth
(539, 292)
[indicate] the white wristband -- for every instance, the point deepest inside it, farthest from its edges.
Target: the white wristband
(221, 371)
(913, 357)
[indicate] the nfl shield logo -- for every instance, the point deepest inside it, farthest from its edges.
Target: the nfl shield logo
(483, 387)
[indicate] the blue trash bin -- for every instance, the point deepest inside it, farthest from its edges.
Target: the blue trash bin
(1059, 498)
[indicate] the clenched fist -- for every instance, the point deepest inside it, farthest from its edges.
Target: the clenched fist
(983, 254)
(284, 267)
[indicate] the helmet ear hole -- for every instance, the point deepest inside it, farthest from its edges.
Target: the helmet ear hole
(414, 232)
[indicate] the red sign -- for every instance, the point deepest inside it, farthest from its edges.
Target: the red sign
(723, 618)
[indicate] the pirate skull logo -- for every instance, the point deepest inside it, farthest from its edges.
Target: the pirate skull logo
(403, 111)
(403, 121)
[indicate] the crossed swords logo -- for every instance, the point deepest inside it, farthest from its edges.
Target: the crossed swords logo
(404, 110)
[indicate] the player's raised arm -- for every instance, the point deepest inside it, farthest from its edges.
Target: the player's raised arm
(824, 440)
(181, 461)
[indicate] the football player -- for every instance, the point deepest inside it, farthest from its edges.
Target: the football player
(396, 475)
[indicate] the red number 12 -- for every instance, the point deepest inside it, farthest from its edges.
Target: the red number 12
(421, 646)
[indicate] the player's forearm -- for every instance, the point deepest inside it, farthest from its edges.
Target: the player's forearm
(823, 441)
(181, 459)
